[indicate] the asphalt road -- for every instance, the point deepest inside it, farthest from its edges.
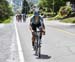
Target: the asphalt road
(8, 44)
(58, 45)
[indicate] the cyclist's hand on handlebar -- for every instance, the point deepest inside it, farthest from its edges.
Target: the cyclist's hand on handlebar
(32, 31)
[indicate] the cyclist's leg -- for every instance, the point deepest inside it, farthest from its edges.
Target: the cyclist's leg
(33, 39)
(33, 36)
(42, 30)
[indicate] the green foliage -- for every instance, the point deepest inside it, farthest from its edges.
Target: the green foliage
(6, 20)
(47, 12)
(5, 10)
(26, 7)
(31, 4)
(50, 3)
(63, 12)
(30, 15)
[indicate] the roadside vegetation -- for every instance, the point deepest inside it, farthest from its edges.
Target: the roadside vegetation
(9, 20)
(25, 7)
(6, 21)
(53, 10)
(65, 14)
(5, 11)
(69, 20)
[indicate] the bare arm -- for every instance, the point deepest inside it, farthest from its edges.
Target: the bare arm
(42, 23)
(30, 25)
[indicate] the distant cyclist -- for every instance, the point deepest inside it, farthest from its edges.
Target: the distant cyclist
(19, 17)
(24, 17)
(36, 22)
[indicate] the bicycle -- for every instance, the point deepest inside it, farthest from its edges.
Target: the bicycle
(37, 43)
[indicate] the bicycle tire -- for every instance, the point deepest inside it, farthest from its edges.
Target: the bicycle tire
(39, 52)
(36, 48)
(39, 48)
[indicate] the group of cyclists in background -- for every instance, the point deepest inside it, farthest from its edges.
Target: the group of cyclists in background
(21, 17)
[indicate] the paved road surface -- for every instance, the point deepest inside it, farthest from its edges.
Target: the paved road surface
(57, 45)
(8, 45)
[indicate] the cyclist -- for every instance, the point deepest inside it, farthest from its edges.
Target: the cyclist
(18, 17)
(24, 17)
(36, 22)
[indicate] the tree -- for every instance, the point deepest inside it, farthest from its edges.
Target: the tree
(31, 4)
(50, 3)
(5, 10)
(72, 1)
(25, 8)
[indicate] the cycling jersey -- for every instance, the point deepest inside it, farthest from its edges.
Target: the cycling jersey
(40, 20)
(34, 24)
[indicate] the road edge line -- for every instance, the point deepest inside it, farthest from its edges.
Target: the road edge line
(21, 56)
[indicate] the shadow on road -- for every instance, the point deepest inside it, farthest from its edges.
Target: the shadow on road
(44, 57)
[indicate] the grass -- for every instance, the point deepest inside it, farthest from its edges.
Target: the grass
(6, 21)
(57, 17)
(50, 19)
(69, 20)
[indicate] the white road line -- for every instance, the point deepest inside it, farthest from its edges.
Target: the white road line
(21, 56)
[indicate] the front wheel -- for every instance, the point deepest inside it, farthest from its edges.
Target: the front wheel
(39, 52)
(36, 48)
(39, 49)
